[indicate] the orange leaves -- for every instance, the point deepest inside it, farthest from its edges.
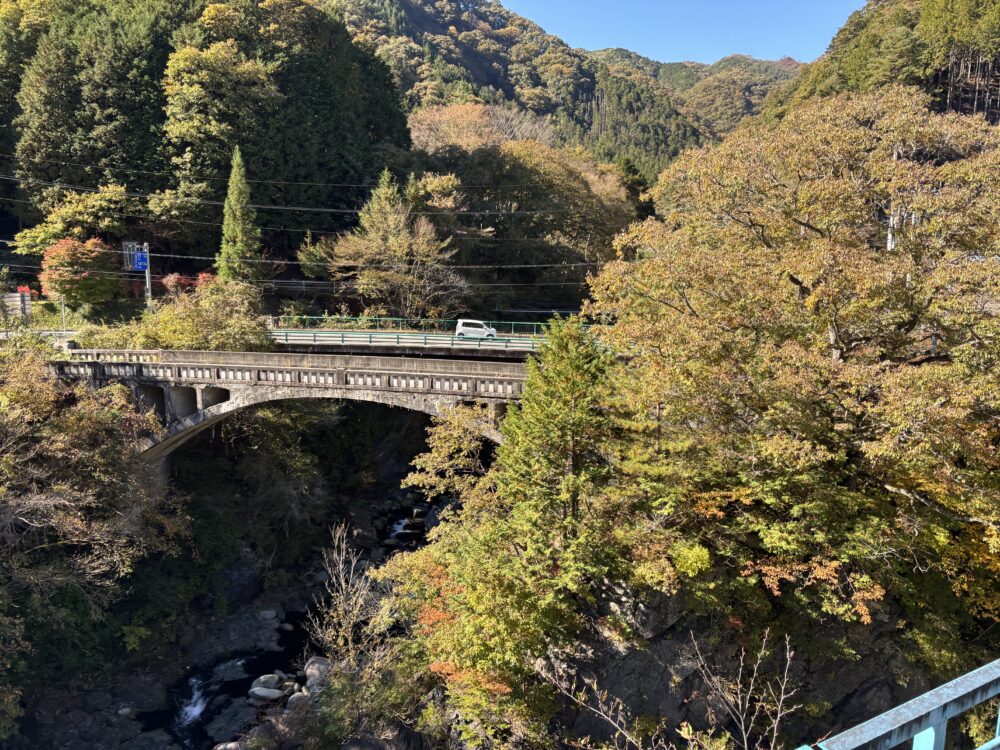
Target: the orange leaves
(469, 678)
(430, 618)
(79, 272)
(829, 577)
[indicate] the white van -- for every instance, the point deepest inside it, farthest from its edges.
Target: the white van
(474, 329)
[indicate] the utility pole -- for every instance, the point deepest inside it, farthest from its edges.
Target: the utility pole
(62, 310)
(149, 277)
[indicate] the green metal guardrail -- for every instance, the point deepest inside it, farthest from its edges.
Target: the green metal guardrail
(387, 338)
(414, 325)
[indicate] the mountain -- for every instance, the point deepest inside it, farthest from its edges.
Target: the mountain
(719, 96)
(950, 48)
(447, 52)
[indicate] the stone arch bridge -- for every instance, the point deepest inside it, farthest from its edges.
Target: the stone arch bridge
(193, 391)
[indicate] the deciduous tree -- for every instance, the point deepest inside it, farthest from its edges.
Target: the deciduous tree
(80, 272)
(393, 261)
(813, 364)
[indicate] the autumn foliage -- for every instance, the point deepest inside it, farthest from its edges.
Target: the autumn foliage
(79, 272)
(801, 426)
(812, 336)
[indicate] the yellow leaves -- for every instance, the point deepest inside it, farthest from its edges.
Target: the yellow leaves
(463, 125)
(79, 216)
(217, 316)
(221, 21)
(690, 558)
(812, 333)
(453, 463)
(794, 455)
(27, 393)
(652, 567)
(936, 435)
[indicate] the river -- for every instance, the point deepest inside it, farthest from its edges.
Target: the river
(209, 705)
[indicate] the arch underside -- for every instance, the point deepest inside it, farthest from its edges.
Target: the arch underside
(180, 432)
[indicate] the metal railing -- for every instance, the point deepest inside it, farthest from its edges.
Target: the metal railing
(411, 325)
(924, 720)
(402, 340)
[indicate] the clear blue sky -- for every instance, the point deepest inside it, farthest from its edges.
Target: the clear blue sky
(699, 30)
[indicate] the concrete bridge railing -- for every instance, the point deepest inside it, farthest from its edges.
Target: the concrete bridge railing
(193, 390)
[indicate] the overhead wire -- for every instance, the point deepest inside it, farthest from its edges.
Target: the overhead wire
(87, 189)
(205, 178)
(314, 284)
(172, 220)
(293, 209)
(378, 266)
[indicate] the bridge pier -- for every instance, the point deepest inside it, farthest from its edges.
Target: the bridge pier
(182, 401)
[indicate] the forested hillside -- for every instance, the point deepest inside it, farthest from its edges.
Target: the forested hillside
(448, 52)
(950, 48)
(121, 119)
(143, 101)
(720, 95)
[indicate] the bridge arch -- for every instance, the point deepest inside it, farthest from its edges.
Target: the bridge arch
(182, 431)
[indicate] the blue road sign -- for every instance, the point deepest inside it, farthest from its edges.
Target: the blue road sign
(140, 261)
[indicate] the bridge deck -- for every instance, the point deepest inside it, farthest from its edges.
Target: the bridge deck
(446, 343)
(443, 346)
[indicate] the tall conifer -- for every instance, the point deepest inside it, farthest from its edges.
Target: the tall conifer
(240, 235)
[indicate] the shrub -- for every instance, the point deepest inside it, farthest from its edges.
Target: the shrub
(215, 316)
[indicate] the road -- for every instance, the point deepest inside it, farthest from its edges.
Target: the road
(381, 339)
(403, 340)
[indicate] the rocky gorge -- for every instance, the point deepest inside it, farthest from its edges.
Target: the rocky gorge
(241, 667)
(223, 660)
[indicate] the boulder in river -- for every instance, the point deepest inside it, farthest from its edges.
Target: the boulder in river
(266, 694)
(297, 700)
(316, 669)
(231, 721)
(269, 681)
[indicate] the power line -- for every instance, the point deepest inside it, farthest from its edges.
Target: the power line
(313, 284)
(294, 209)
(173, 220)
(131, 170)
(380, 266)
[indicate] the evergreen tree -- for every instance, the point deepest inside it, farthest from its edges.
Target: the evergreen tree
(240, 235)
(48, 122)
(535, 536)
